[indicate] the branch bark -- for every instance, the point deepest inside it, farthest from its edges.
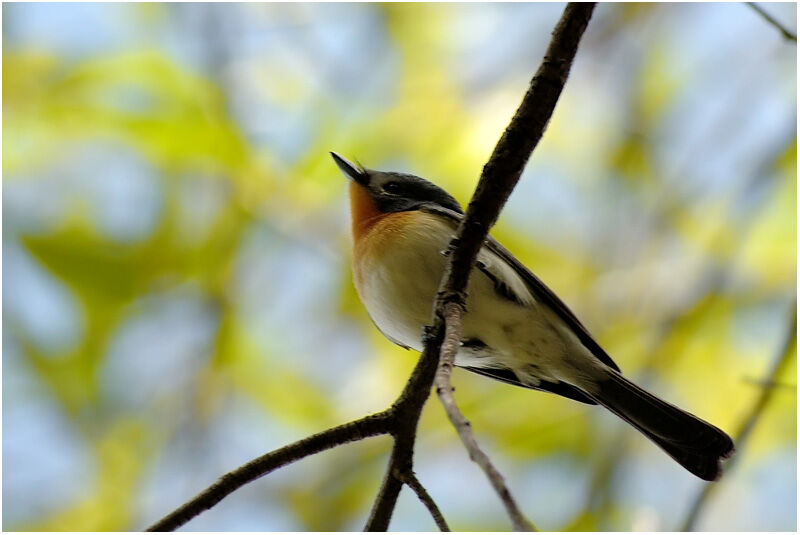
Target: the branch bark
(408, 407)
(747, 425)
(773, 21)
(411, 481)
(498, 179)
(369, 426)
(444, 389)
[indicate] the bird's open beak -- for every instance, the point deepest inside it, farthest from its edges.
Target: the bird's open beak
(351, 170)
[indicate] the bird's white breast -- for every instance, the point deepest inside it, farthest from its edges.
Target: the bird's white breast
(399, 274)
(398, 271)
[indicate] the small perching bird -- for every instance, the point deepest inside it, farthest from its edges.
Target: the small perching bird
(515, 330)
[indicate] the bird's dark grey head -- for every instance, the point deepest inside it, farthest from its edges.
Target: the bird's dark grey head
(396, 192)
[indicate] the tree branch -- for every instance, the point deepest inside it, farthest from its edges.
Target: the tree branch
(385, 501)
(499, 177)
(414, 484)
(747, 425)
(369, 426)
(771, 20)
(502, 171)
(451, 344)
(408, 408)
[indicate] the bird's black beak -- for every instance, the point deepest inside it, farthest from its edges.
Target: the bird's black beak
(351, 170)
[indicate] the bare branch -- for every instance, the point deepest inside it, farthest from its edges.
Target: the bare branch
(498, 179)
(407, 409)
(499, 176)
(502, 171)
(414, 484)
(770, 19)
(708, 281)
(385, 501)
(369, 426)
(451, 344)
(747, 425)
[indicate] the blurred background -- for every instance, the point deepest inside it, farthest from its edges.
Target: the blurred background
(177, 294)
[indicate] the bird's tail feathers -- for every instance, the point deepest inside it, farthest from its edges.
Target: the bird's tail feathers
(694, 443)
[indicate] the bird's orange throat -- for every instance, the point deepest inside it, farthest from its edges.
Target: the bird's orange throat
(373, 231)
(364, 212)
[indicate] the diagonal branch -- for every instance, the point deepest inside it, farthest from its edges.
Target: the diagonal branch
(411, 481)
(369, 426)
(747, 425)
(772, 20)
(502, 172)
(451, 344)
(385, 501)
(498, 179)
(407, 408)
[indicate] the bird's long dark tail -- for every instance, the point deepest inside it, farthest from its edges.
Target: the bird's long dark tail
(697, 445)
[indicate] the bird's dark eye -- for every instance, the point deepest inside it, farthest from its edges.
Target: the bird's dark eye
(392, 187)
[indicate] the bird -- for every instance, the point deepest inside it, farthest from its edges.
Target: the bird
(515, 329)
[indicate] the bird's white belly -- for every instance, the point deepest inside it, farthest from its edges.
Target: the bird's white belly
(398, 288)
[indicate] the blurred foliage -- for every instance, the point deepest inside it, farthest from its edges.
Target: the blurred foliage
(177, 283)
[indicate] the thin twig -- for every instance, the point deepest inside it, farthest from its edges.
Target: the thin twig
(710, 281)
(410, 480)
(476, 454)
(497, 181)
(369, 426)
(747, 425)
(763, 383)
(770, 19)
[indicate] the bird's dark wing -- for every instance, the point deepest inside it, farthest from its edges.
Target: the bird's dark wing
(507, 376)
(539, 289)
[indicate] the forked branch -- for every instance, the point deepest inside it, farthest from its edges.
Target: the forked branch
(498, 179)
(369, 426)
